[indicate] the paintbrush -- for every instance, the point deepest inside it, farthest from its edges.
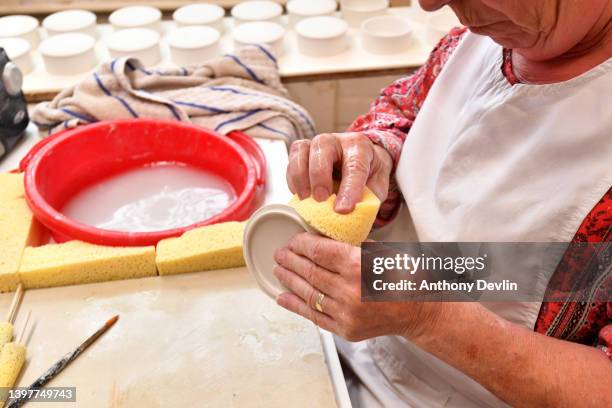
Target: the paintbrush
(59, 366)
(12, 314)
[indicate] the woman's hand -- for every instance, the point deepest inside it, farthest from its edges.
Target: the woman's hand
(361, 162)
(311, 265)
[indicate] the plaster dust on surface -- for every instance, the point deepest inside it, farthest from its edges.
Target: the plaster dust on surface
(152, 198)
(205, 339)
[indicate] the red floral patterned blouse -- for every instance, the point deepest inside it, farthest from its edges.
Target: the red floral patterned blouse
(388, 123)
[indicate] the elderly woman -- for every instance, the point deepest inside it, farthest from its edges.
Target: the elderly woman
(505, 134)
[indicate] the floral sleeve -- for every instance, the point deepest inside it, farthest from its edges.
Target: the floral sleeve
(392, 114)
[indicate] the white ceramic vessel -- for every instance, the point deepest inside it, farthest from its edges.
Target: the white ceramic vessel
(256, 10)
(200, 14)
(322, 36)
(386, 34)
(71, 21)
(356, 12)
(269, 228)
(136, 17)
(18, 50)
(301, 9)
(21, 26)
(439, 24)
(141, 43)
(68, 53)
(260, 32)
(193, 45)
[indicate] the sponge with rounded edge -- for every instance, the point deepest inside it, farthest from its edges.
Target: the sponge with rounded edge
(352, 228)
(12, 357)
(11, 186)
(216, 246)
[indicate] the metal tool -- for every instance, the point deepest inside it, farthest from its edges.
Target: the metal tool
(59, 366)
(13, 108)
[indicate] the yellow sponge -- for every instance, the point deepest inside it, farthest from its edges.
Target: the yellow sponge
(18, 229)
(11, 186)
(6, 333)
(77, 262)
(216, 246)
(12, 357)
(352, 228)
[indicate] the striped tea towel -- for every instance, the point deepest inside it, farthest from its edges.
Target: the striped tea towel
(240, 91)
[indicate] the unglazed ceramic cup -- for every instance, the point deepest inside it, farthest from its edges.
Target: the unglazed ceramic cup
(21, 26)
(200, 14)
(386, 34)
(71, 21)
(68, 53)
(356, 12)
(193, 45)
(439, 24)
(301, 9)
(141, 43)
(270, 228)
(18, 50)
(256, 10)
(260, 32)
(322, 36)
(136, 17)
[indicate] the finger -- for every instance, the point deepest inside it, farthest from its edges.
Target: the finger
(304, 290)
(323, 155)
(326, 281)
(297, 169)
(296, 305)
(380, 173)
(356, 159)
(327, 253)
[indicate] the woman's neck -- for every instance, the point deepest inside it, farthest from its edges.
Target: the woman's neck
(593, 50)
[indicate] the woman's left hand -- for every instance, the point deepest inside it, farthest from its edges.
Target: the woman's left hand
(311, 265)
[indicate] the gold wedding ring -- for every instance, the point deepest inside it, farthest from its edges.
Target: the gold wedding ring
(319, 302)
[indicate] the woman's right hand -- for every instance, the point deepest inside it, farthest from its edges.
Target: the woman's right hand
(361, 162)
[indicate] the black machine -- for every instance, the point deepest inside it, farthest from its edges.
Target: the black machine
(13, 109)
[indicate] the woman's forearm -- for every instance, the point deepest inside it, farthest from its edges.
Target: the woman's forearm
(521, 367)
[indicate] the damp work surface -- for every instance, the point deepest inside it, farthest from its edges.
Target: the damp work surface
(209, 339)
(152, 198)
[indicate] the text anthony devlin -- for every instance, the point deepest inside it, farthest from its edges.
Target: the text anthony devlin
(444, 285)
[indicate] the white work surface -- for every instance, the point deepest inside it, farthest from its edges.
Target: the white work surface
(292, 64)
(204, 339)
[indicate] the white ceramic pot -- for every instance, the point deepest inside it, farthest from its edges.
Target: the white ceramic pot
(200, 14)
(18, 50)
(71, 21)
(356, 12)
(439, 24)
(136, 17)
(260, 32)
(68, 53)
(21, 26)
(141, 43)
(256, 10)
(193, 45)
(301, 9)
(386, 34)
(322, 36)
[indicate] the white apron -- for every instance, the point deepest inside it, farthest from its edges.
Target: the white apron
(487, 161)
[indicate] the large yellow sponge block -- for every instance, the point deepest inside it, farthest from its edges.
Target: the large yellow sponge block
(216, 246)
(11, 186)
(6, 333)
(352, 228)
(18, 229)
(77, 262)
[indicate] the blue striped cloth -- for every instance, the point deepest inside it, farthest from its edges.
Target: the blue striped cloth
(240, 91)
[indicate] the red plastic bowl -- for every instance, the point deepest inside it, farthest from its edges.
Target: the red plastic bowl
(63, 165)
